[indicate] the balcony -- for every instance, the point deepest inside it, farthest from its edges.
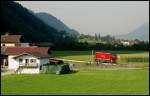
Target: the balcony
(28, 65)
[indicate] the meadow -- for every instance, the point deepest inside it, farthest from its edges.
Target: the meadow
(109, 81)
(102, 82)
(87, 56)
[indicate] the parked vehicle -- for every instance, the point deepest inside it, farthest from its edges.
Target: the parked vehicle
(105, 57)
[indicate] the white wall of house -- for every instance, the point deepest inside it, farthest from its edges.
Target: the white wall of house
(125, 43)
(13, 44)
(29, 71)
(24, 44)
(8, 44)
(29, 57)
(14, 63)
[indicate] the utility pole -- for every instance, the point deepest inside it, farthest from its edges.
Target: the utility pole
(92, 58)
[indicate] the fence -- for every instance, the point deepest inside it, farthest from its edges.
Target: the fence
(92, 67)
(83, 65)
(137, 59)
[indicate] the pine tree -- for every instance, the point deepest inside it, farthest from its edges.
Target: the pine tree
(96, 37)
(99, 36)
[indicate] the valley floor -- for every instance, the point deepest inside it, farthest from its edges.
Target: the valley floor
(103, 82)
(100, 81)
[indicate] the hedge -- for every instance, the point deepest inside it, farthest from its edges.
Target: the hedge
(55, 69)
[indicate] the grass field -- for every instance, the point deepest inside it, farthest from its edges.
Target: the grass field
(129, 81)
(86, 55)
(103, 82)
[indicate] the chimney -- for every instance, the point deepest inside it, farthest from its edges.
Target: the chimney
(7, 33)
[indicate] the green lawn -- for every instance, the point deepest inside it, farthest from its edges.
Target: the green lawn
(127, 81)
(86, 55)
(116, 81)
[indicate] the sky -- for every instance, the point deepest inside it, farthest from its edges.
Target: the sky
(90, 17)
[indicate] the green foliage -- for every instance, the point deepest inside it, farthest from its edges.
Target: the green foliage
(64, 69)
(56, 69)
(97, 42)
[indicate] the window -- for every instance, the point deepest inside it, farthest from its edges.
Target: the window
(20, 60)
(26, 60)
(40, 67)
(32, 60)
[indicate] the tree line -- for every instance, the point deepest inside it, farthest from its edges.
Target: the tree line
(73, 44)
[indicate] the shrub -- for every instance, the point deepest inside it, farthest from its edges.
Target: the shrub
(65, 69)
(55, 69)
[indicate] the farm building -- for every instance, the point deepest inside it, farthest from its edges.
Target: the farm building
(26, 59)
(13, 41)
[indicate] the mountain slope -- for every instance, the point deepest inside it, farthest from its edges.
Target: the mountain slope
(18, 20)
(56, 23)
(141, 33)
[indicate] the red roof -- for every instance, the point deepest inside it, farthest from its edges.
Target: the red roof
(38, 51)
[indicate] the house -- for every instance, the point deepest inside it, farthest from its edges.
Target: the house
(3, 57)
(12, 41)
(130, 42)
(125, 42)
(26, 59)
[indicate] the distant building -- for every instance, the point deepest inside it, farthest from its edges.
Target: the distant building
(12, 41)
(125, 42)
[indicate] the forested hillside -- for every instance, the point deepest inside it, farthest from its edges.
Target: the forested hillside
(18, 20)
(56, 23)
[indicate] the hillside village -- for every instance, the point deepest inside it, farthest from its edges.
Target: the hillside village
(125, 42)
(107, 39)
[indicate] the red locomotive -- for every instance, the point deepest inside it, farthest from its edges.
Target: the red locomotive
(105, 57)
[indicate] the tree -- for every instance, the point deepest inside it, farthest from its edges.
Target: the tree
(99, 36)
(96, 37)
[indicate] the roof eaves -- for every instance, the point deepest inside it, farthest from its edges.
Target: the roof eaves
(24, 54)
